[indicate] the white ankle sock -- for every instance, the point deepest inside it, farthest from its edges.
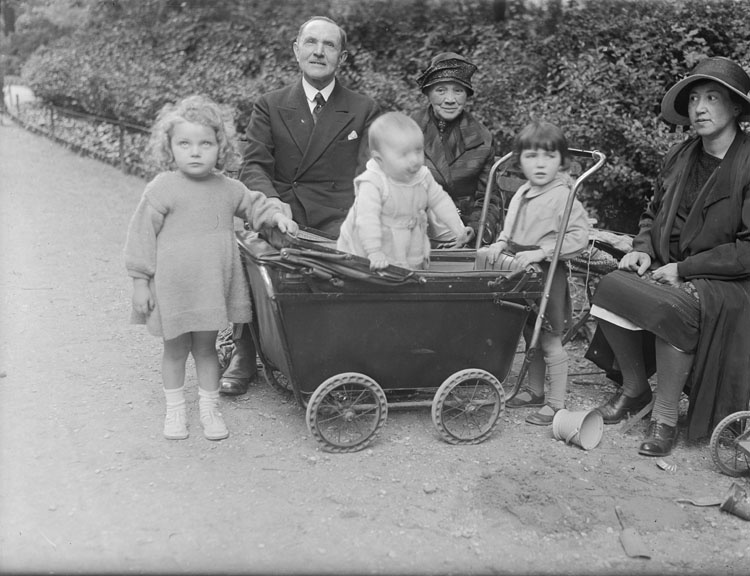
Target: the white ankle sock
(175, 397)
(207, 399)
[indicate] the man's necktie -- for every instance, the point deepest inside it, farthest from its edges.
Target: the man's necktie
(319, 103)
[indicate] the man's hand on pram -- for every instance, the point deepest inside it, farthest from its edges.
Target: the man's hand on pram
(636, 262)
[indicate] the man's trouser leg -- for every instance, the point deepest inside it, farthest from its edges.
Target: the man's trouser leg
(242, 367)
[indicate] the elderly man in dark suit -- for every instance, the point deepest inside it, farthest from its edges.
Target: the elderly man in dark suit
(306, 142)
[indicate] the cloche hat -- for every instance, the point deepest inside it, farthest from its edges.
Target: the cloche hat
(674, 105)
(447, 67)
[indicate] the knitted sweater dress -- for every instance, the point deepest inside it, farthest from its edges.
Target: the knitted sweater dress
(181, 239)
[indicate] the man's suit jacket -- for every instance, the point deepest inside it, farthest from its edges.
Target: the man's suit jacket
(309, 166)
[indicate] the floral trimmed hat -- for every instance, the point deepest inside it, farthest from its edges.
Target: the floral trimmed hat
(674, 105)
(448, 67)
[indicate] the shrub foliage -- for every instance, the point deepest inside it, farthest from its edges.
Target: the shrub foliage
(597, 68)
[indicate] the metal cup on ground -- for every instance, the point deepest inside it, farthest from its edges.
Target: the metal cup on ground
(582, 428)
(737, 502)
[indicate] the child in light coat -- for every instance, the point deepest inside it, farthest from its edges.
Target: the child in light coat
(532, 226)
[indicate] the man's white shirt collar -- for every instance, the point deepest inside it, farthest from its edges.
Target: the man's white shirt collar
(311, 91)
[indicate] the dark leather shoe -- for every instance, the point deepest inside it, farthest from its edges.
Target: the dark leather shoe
(526, 399)
(619, 406)
(660, 439)
(234, 386)
(541, 417)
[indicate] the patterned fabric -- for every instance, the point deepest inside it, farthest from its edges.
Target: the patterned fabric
(446, 67)
(461, 165)
(320, 101)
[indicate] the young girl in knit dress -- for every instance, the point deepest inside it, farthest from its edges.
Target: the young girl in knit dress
(532, 225)
(388, 221)
(181, 252)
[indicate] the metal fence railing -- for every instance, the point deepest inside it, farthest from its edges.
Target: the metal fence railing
(111, 140)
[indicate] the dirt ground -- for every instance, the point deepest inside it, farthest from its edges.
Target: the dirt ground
(89, 485)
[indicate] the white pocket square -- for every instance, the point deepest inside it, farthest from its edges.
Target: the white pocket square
(352, 135)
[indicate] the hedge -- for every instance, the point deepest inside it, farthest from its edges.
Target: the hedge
(598, 69)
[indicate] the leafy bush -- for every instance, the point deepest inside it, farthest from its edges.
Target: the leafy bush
(598, 69)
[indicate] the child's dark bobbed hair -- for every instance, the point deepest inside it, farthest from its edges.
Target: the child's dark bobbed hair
(541, 135)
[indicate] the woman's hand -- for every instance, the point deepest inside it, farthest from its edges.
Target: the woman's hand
(529, 257)
(635, 261)
(286, 224)
(143, 300)
(667, 274)
(378, 261)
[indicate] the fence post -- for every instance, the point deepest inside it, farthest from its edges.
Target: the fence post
(122, 145)
(52, 120)
(18, 104)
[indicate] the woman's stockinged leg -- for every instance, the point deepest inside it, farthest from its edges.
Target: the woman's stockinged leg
(673, 368)
(635, 393)
(628, 348)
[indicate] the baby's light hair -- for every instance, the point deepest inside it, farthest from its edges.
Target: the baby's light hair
(541, 135)
(388, 124)
(199, 110)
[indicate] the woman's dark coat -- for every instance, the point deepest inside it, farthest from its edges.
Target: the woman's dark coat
(715, 242)
(465, 178)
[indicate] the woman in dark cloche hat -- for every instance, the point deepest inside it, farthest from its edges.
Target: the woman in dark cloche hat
(680, 301)
(459, 150)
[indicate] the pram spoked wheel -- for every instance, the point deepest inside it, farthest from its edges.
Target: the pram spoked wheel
(346, 411)
(730, 444)
(467, 405)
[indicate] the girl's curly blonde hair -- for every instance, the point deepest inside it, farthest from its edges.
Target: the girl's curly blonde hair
(200, 110)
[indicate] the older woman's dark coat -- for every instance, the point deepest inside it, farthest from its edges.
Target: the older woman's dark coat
(715, 243)
(465, 177)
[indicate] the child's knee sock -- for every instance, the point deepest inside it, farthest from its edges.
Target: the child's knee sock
(537, 371)
(557, 372)
(207, 400)
(175, 398)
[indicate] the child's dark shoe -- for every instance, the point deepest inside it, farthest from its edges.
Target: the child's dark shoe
(525, 399)
(543, 417)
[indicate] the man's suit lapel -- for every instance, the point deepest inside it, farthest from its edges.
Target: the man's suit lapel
(332, 121)
(296, 116)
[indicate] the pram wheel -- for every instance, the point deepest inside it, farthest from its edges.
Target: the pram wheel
(730, 444)
(467, 405)
(346, 411)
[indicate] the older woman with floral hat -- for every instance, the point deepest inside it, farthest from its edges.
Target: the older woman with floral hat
(682, 296)
(459, 150)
